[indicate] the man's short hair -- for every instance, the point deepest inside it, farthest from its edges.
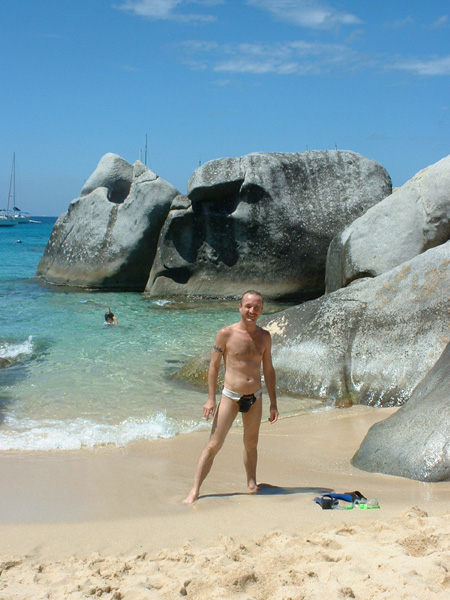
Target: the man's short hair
(254, 292)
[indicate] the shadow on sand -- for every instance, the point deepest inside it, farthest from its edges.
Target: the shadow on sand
(266, 489)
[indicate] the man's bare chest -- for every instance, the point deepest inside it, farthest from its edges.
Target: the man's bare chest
(245, 347)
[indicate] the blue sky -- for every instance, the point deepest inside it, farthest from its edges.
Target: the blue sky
(206, 79)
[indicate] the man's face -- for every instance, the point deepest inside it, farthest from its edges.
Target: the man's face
(251, 308)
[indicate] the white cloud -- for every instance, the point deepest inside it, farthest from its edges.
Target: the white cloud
(223, 83)
(400, 23)
(433, 66)
(313, 14)
(441, 22)
(166, 10)
(256, 67)
(289, 58)
(300, 58)
(155, 9)
(195, 46)
(207, 2)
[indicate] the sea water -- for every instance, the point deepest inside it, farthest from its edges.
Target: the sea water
(69, 381)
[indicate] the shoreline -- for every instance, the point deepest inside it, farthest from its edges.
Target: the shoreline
(59, 509)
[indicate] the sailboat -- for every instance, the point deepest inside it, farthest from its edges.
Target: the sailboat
(20, 216)
(7, 218)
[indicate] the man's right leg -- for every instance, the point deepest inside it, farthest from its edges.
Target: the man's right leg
(252, 421)
(223, 420)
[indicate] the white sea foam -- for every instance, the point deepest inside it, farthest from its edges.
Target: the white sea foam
(11, 350)
(83, 433)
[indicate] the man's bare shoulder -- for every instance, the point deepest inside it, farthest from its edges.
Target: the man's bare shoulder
(264, 332)
(222, 337)
(265, 337)
(226, 331)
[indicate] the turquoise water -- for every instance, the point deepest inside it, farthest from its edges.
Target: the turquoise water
(73, 382)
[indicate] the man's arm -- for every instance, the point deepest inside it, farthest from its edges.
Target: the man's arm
(213, 374)
(270, 378)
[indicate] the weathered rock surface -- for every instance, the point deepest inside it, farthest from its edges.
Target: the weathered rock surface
(108, 237)
(415, 441)
(370, 343)
(264, 221)
(413, 219)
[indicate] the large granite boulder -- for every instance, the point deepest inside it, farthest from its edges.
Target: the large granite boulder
(108, 238)
(413, 219)
(415, 441)
(264, 221)
(370, 343)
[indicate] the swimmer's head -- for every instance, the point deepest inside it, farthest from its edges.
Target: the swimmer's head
(109, 316)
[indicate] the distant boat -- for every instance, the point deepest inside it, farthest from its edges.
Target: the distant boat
(16, 214)
(19, 215)
(7, 218)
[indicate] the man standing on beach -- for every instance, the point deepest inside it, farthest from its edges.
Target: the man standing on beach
(244, 347)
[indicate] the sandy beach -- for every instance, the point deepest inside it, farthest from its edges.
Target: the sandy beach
(110, 522)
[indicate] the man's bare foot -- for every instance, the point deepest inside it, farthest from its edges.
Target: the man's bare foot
(252, 488)
(191, 497)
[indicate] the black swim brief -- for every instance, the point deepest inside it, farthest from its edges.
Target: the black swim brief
(246, 402)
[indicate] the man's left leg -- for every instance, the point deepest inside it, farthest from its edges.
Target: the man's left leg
(251, 421)
(223, 420)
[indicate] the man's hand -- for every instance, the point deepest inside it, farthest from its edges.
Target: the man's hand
(273, 414)
(209, 408)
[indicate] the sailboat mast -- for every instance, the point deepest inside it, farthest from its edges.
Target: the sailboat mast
(12, 182)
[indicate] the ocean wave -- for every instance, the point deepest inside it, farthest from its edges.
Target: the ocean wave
(12, 352)
(161, 302)
(83, 433)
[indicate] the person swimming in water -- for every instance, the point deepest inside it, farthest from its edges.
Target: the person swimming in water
(110, 319)
(244, 347)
